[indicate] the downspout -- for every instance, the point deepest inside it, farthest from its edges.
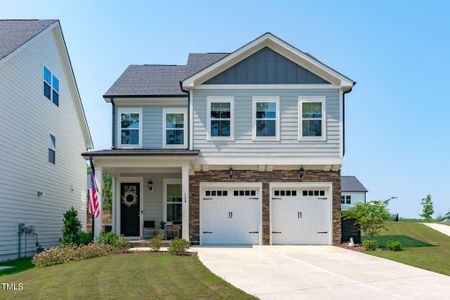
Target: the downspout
(343, 118)
(188, 115)
(113, 138)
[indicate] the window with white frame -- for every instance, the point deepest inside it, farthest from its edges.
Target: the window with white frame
(174, 203)
(220, 118)
(51, 148)
(312, 118)
(51, 86)
(130, 127)
(174, 128)
(266, 120)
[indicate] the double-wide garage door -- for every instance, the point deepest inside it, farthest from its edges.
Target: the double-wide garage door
(230, 214)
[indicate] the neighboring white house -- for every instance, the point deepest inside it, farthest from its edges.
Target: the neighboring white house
(352, 191)
(43, 130)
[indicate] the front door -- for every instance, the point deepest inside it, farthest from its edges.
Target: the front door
(129, 209)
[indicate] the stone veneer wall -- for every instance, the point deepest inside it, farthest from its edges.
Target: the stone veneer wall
(265, 177)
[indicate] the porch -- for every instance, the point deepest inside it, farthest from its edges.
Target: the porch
(150, 193)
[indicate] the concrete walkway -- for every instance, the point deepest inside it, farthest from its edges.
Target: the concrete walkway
(445, 229)
(320, 272)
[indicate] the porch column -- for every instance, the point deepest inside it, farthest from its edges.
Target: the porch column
(98, 221)
(113, 204)
(185, 205)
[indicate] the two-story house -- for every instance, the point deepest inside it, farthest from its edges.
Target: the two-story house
(235, 148)
(43, 131)
(352, 192)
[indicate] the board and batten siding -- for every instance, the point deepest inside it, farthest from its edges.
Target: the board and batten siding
(27, 117)
(152, 124)
(288, 145)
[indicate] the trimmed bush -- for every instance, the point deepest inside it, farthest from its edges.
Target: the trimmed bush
(71, 229)
(113, 239)
(155, 243)
(370, 245)
(178, 246)
(84, 238)
(394, 245)
(60, 255)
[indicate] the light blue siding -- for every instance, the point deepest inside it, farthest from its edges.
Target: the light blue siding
(151, 127)
(287, 146)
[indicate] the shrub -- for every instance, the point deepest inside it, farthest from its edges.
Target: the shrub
(84, 238)
(394, 245)
(71, 229)
(370, 245)
(60, 255)
(178, 246)
(155, 243)
(113, 239)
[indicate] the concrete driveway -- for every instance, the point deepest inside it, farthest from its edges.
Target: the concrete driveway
(320, 272)
(443, 228)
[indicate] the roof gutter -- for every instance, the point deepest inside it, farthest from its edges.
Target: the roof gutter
(188, 115)
(343, 117)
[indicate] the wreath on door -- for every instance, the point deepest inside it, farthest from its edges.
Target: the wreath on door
(129, 198)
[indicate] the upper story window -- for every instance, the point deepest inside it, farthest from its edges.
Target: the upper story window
(130, 127)
(266, 118)
(174, 128)
(312, 118)
(220, 118)
(51, 86)
(51, 148)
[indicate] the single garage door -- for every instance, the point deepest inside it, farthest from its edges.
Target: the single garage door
(301, 215)
(230, 215)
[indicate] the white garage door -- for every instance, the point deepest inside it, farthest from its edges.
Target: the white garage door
(301, 215)
(230, 215)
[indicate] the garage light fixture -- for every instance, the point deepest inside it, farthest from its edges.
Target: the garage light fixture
(230, 173)
(301, 172)
(150, 185)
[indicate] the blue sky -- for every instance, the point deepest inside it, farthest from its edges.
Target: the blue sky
(398, 127)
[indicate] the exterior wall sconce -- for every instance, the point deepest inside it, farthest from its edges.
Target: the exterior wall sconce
(231, 173)
(40, 193)
(150, 185)
(301, 172)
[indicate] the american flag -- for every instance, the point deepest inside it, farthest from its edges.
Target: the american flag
(94, 207)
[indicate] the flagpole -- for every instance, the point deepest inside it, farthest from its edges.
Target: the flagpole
(92, 213)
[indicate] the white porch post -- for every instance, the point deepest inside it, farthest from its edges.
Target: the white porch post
(185, 205)
(113, 204)
(98, 221)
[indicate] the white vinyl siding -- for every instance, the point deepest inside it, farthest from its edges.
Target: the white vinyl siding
(288, 145)
(28, 171)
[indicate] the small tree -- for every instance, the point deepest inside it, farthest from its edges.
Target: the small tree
(370, 216)
(107, 191)
(72, 228)
(427, 208)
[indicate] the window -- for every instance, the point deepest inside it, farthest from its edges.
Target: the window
(51, 148)
(348, 199)
(342, 199)
(312, 118)
(174, 203)
(174, 125)
(220, 118)
(130, 127)
(266, 118)
(51, 86)
(219, 193)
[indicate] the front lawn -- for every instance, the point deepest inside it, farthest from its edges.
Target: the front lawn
(18, 265)
(125, 276)
(423, 247)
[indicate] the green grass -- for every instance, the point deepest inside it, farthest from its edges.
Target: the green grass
(423, 247)
(125, 276)
(19, 265)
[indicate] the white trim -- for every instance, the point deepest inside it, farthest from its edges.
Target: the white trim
(191, 120)
(306, 99)
(268, 160)
(167, 181)
(326, 185)
(269, 40)
(148, 101)
(208, 185)
(130, 110)
(219, 99)
(139, 180)
(267, 87)
(341, 123)
(175, 110)
(276, 100)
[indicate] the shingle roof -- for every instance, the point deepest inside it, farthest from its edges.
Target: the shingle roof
(160, 80)
(351, 184)
(15, 33)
